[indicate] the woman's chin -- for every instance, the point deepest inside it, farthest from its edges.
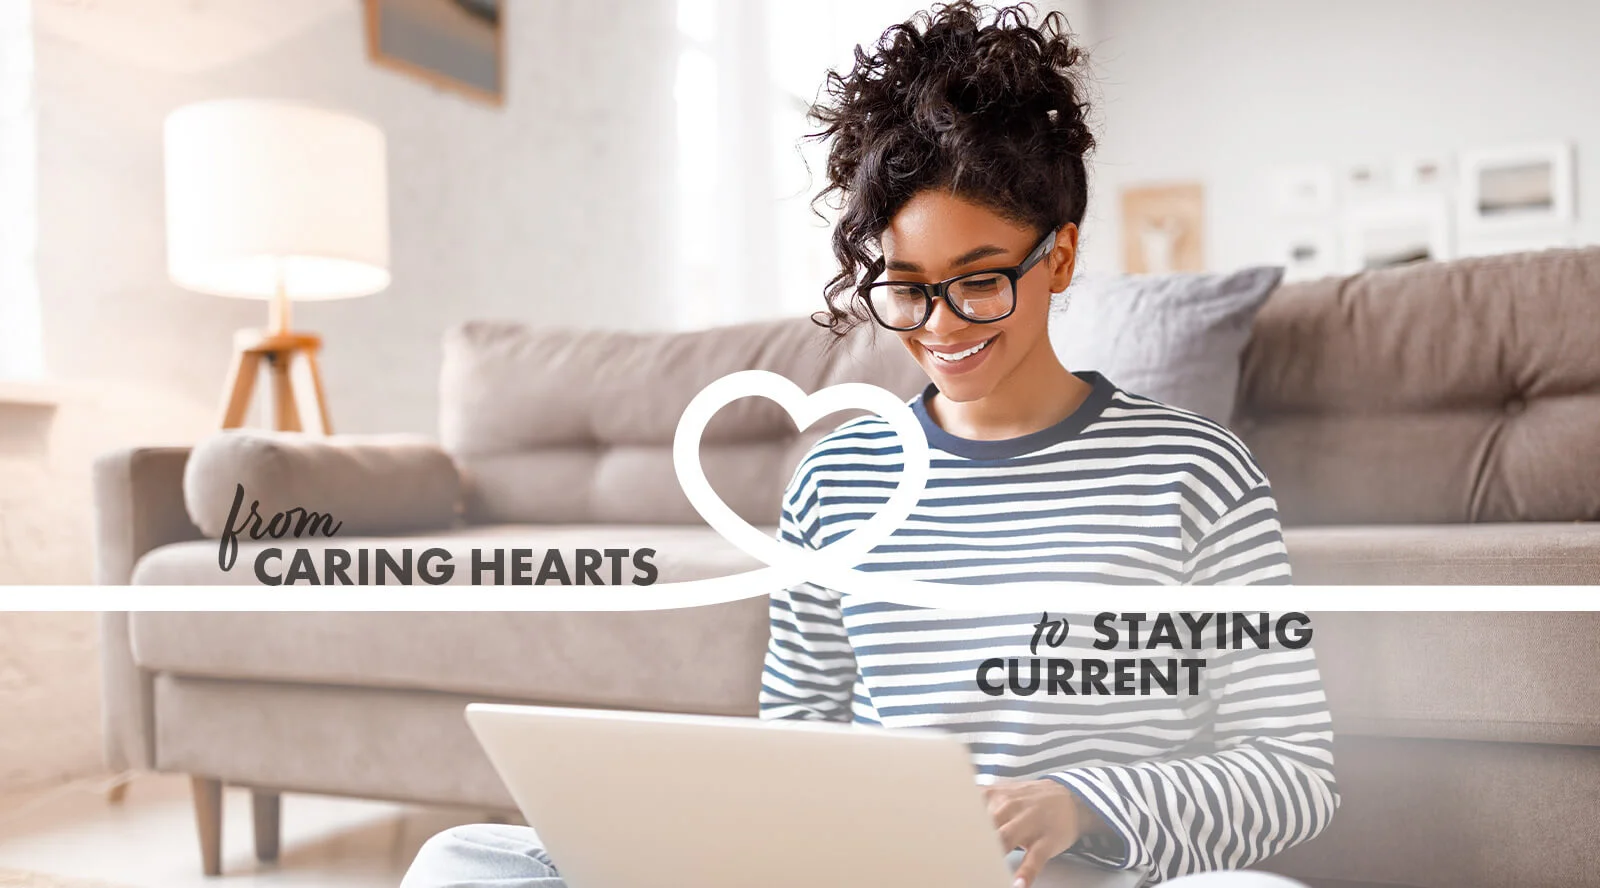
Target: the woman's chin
(960, 387)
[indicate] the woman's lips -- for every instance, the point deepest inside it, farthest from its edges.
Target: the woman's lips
(973, 354)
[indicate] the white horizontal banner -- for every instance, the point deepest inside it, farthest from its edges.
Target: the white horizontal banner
(1061, 597)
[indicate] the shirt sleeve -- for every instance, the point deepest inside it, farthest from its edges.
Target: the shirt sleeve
(1265, 779)
(1244, 546)
(810, 667)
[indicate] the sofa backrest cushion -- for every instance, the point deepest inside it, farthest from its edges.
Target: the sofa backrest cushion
(1436, 393)
(1443, 392)
(557, 425)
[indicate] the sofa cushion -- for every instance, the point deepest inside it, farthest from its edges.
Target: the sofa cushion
(377, 743)
(696, 659)
(681, 552)
(703, 659)
(1456, 675)
(1459, 814)
(1438, 392)
(1461, 675)
(1172, 337)
(362, 483)
(559, 425)
(1448, 554)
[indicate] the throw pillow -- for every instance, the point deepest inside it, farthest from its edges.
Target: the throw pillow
(1176, 338)
(370, 484)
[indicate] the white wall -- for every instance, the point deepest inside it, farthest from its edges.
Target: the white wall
(1224, 90)
(20, 354)
(49, 692)
(1080, 15)
(550, 208)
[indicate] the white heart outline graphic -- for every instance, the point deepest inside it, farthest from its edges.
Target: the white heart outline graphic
(794, 562)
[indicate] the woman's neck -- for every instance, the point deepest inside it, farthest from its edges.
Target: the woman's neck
(1037, 395)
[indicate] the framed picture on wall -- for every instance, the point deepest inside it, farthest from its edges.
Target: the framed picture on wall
(1308, 252)
(1397, 230)
(1362, 180)
(1517, 188)
(458, 45)
(1424, 172)
(1163, 228)
(1303, 191)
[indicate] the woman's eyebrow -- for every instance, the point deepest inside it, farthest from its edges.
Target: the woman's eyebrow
(967, 258)
(977, 253)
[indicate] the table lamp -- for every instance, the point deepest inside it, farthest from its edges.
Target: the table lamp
(277, 201)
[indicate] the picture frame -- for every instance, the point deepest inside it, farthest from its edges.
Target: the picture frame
(1517, 188)
(1397, 230)
(1303, 191)
(455, 45)
(1163, 228)
(1362, 180)
(1308, 252)
(1424, 172)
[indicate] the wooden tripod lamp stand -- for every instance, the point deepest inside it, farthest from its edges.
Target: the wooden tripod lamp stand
(283, 202)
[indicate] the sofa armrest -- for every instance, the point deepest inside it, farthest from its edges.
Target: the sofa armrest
(138, 506)
(127, 699)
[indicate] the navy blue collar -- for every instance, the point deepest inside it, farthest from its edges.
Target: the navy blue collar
(1005, 448)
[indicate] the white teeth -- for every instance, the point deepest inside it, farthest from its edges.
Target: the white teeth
(956, 356)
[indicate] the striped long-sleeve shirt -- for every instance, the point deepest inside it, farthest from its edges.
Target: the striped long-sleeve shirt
(1125, 490)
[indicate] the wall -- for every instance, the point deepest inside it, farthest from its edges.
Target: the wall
(49, 692)
(1225, 90)
(548, 209)
(20, 354)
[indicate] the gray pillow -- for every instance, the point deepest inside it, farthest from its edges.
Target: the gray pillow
(1172, 337)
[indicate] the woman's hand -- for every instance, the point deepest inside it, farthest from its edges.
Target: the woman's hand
(1041, 817)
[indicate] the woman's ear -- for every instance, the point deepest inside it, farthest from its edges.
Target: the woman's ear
(1064, 258)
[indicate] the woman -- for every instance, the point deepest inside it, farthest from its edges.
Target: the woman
(957, 148)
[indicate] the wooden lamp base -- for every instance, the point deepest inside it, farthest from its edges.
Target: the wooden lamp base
(278, 350)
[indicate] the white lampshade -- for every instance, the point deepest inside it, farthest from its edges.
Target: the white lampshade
(263, 194)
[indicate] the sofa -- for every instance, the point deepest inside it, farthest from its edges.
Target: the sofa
(1431, 424)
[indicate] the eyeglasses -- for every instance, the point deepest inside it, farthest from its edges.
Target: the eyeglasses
(981, 297)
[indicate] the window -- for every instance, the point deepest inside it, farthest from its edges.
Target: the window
(699, 145)
(21, 345)
(806, 39)
(749, 245)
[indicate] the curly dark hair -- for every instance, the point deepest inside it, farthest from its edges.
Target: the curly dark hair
(995, 112)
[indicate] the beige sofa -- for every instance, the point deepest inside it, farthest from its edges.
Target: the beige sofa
(1436, 424)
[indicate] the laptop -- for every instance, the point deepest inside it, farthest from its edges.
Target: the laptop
(650, 800)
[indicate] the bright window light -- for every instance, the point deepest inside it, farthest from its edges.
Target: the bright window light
(21, 338)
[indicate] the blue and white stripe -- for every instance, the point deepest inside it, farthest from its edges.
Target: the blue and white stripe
(1126, 490)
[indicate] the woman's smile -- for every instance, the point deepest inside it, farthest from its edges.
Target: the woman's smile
(959, 357)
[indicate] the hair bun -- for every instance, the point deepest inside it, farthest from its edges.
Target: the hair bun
(996, 111)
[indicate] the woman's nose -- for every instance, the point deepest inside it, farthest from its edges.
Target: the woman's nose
(943, 320)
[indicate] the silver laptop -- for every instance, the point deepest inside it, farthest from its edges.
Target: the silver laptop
(646, 800)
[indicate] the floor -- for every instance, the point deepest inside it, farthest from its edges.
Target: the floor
(148, 840)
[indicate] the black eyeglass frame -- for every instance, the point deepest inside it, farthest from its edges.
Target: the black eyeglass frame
(941, 290)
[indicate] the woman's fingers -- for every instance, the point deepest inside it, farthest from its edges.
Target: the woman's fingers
(1040, 817)
(1033, 860)
(1018, 833)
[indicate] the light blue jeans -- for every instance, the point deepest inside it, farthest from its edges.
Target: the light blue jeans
(483, 855)
(495, 855)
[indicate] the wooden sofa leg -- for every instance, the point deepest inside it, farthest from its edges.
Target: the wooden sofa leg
(118, 791)
(208, 818)
(266, 809)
